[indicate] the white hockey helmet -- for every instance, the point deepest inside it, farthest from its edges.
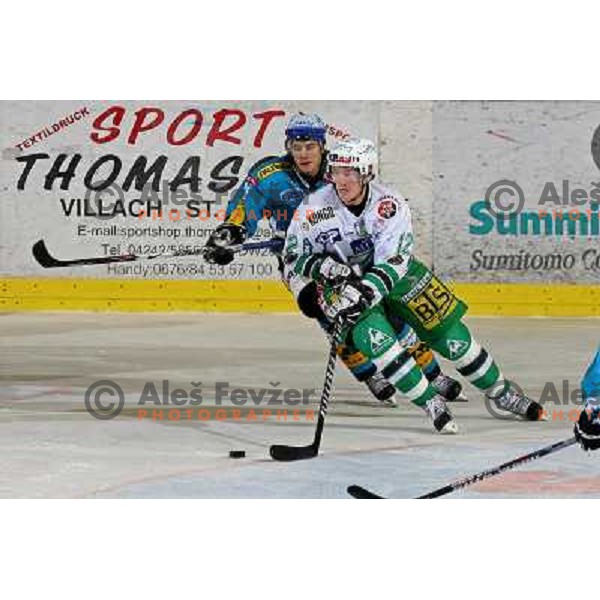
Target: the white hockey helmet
(359, 154)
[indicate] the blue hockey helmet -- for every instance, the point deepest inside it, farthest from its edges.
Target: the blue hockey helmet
(305, 127)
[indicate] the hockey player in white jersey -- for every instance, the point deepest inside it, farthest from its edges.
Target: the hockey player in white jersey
(355, 237)
(277, 185)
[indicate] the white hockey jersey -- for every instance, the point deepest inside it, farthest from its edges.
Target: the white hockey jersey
(377, 244)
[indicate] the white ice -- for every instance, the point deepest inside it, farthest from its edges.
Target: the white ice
(51, 447)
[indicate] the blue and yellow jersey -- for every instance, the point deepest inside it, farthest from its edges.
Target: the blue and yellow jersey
(590, 384)
(273, 189)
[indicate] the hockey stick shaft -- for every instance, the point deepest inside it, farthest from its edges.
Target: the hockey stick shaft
(327, 385)
(511, 464)
(362, 493)
(44, 258)
(287, 453)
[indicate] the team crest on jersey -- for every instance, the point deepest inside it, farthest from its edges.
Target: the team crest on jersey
(387, 208)
(456, 347)
(378, 340)
(251, 180)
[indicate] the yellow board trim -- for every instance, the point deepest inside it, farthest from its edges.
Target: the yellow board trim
(508, 299)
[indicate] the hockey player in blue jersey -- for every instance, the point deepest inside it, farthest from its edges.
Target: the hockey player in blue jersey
(274, 188)
(587, 429)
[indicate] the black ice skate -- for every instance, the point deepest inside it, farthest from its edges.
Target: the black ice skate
(440, 415)
(449, 388)
(382, 389)
(514, 401)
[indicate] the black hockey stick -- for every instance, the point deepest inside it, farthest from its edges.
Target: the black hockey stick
(361, 493)
(44, 258)
(288, 453)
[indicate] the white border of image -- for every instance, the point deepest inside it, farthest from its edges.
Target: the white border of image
(297, 549)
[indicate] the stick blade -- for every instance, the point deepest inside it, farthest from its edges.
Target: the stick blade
(289, 453)
(42, 256)
(356, 491)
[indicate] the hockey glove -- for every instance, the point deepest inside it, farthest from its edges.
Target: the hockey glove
(217, 249)
(587, 429)
(347, 304)
(334, 272)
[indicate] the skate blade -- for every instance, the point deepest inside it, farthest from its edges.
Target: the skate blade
(543, 416)
(460, 398)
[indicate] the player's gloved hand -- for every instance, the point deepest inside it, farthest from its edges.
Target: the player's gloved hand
(218, 247)
(346, 304)
(278, 240)
(334, 272)
(587, 429)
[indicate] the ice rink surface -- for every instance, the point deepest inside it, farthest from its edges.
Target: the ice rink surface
(50, 446)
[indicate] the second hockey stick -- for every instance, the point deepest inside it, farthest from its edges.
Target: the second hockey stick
(363, 494)
(46, 260)
(288, 453)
